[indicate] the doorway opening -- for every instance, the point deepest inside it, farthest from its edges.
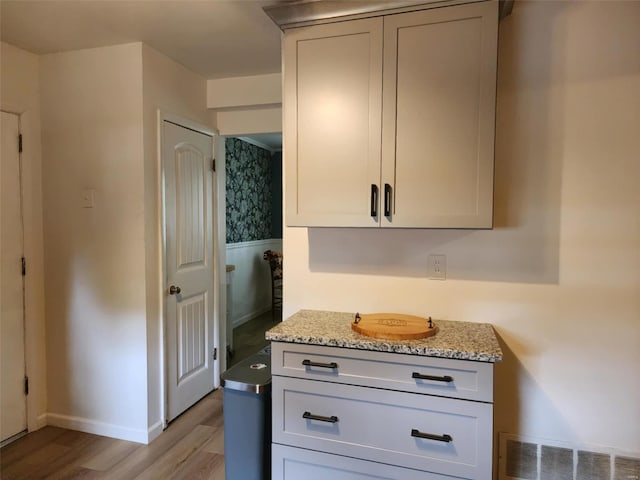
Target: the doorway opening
(253, 172)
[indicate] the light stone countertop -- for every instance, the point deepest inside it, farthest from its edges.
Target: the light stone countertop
(461, 340)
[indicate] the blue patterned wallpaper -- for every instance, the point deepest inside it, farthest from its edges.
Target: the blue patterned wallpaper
(276, 195)
(249, 183)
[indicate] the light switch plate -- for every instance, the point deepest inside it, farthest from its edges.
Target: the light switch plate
(88, 198)
(437, 267)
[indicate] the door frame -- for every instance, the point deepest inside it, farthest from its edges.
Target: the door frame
(34, 291)
(23, 228)
(219, 256)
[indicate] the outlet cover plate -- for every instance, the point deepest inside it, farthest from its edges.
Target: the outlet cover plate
(437, 267)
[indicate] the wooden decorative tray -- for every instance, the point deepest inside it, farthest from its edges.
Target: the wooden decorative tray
(393, 326)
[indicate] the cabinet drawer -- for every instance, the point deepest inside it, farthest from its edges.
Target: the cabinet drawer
(451, 378)
(291, 463)
(385, 426)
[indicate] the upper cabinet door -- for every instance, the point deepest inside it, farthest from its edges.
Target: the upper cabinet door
(332, 123)
(439, 116)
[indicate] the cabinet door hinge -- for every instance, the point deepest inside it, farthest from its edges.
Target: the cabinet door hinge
(213, 164)
(19, 143)
(24, 266)
(215, 353)
(26, 385)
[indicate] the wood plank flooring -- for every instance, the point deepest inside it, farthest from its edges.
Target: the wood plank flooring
(248, 338)
(191, 448)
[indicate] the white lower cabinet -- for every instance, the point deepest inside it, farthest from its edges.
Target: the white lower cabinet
(324, 427)
(441, 377)
(298, 463)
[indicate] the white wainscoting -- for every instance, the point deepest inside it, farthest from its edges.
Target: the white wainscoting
(251, 280)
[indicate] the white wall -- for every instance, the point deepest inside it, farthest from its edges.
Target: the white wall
(559, 275)
(19, 94)
(251, 279)
(104, 265)
(92, 137)
(248, 121)
(246, 105)
(248, 91)
(172, 88)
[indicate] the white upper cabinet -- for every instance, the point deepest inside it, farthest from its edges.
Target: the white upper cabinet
(439, 116)
(390, 121)
(332, 109)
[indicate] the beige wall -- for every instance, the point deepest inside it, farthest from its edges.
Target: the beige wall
(250, 120)
(249, 91)
(92, 138)
(19, 94)
(559, 275)
(245, 105)
(103, 265)
(171, 88)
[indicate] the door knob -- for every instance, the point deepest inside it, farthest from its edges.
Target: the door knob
(173, 290)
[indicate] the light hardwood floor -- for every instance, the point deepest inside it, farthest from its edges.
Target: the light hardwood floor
(248, 338)
(191, 448)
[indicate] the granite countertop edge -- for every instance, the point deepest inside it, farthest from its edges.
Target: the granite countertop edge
(455, 339)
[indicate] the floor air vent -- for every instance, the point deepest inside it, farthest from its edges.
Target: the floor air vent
(525, 458)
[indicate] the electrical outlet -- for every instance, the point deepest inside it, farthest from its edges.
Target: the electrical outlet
(437, 267)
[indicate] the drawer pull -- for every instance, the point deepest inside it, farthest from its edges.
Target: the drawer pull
(420, 376)
(309, 363)
(387, 200)
(374, 200)
(430, 436)
(320, 418)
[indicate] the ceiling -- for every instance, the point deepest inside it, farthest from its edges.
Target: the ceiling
(215, 38)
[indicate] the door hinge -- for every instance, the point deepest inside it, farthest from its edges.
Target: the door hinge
(19, 143)
(26, 385)
(215, 353)
(24, 266)
(213, 164)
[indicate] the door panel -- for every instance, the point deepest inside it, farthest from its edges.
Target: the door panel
(439, 116)
(192, 336)
(189, 266)
(332, 122)
(190, 188)
(13, 409)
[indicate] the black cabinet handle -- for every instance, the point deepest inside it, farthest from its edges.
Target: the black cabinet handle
(374, 200)
(320, 418)
(387, 200)
(429, 436)
(420, 376)
(309, 363)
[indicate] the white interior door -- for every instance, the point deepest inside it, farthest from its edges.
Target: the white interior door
(189, 266)
(13, 407)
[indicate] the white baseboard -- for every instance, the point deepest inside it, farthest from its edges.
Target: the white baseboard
(100, 428)
(41, 421)
(250, 316)
(154, 431)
